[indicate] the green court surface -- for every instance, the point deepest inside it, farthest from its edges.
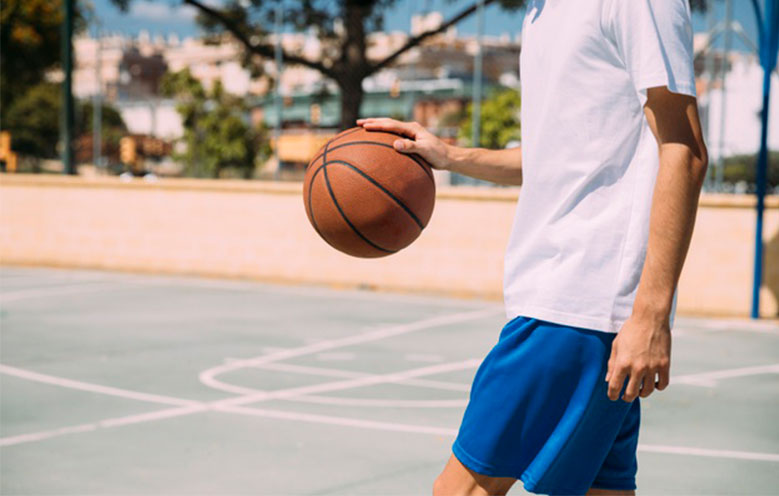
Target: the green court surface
(129, 384)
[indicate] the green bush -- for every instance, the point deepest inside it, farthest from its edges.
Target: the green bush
(744, 168)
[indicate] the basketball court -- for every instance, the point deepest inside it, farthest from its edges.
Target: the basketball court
(130, 384)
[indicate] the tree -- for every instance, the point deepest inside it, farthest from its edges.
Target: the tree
(30, 36)
(33, 120)
(499, 120)
(742, 168)
(343, 27)
(216, 135)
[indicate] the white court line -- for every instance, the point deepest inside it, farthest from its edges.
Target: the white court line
(326, 372)
(709, 379)
(208, 377)
(194, 407)
(397, 427)
(342, 421)
(23, 294)
(191, 407)
(40, 436)
(379, 403)
(103, 424)
(768, 326)
(93, 388)
(348, 383)
(712, 453)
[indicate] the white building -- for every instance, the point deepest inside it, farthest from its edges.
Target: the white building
(743, 99)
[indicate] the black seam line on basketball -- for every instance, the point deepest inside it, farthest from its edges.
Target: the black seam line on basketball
(424, 167)
(385, 190)
(330, 142)
(346, 219)
(413, 156)
(311, 210)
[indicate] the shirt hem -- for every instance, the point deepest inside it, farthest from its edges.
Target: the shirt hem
(556, 317)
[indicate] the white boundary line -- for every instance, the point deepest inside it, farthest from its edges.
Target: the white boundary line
(224, 406)
(397, 427)
(24, 294)
(103, 424)
(209, 376)
(93, 388)
(692, 324)
(348, 383)
(327, 372)
(342, 421)
(711, 453)
(709, 379)
(379, 403)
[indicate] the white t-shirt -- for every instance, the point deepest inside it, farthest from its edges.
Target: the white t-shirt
(589, 158)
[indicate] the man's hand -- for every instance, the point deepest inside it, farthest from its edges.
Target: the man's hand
(422, 142)
(641, 352)
(498, 166)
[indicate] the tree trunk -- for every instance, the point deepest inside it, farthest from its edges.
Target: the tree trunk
(352, 66)
(351, 99)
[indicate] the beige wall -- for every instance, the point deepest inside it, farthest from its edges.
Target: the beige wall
(260, 231)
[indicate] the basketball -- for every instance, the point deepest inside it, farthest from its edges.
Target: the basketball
(365, 198)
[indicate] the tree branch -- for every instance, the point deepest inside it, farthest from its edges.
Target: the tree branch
(267, 51)
(416, 40)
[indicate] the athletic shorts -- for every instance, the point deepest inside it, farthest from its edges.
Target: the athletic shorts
(539, 412)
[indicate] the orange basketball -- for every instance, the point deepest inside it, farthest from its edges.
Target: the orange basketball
(365, 198)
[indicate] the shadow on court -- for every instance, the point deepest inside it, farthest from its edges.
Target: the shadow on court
(127, 384)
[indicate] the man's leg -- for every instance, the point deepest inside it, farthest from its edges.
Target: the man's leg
(458, 480)
(609, 492)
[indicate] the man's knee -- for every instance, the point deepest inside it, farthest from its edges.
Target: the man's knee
(458, 480)
(439, 487)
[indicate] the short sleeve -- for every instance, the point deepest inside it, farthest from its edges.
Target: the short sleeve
(653, 38)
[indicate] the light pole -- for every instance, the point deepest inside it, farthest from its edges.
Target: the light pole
(277, 89)
(67, 118)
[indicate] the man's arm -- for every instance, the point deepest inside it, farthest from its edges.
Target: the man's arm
(642, 349)
(498, 166)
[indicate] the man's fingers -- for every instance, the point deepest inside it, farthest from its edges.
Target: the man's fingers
(409, 129)
(616, 380)
(610, 366)
(664, 376)
(406, 146)
(647, 385)
(631, 392)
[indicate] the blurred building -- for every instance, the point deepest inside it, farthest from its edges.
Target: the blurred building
(431, 83)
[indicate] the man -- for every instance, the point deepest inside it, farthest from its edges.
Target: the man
(611, 167)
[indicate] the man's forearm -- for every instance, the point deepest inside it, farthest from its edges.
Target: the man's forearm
(672, 218)
(498, 166)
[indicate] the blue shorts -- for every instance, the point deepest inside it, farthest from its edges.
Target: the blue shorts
(539, 412)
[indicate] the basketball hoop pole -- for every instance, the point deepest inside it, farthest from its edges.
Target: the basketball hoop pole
(768, 33)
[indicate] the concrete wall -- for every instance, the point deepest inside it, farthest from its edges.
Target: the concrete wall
(260, 231)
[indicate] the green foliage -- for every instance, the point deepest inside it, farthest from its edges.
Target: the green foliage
(217, 138)
(33, 120)
(30, 36)
(112, 127)
(744, 168)
(499, 120)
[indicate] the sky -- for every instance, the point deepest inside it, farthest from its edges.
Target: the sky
(168, 16)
